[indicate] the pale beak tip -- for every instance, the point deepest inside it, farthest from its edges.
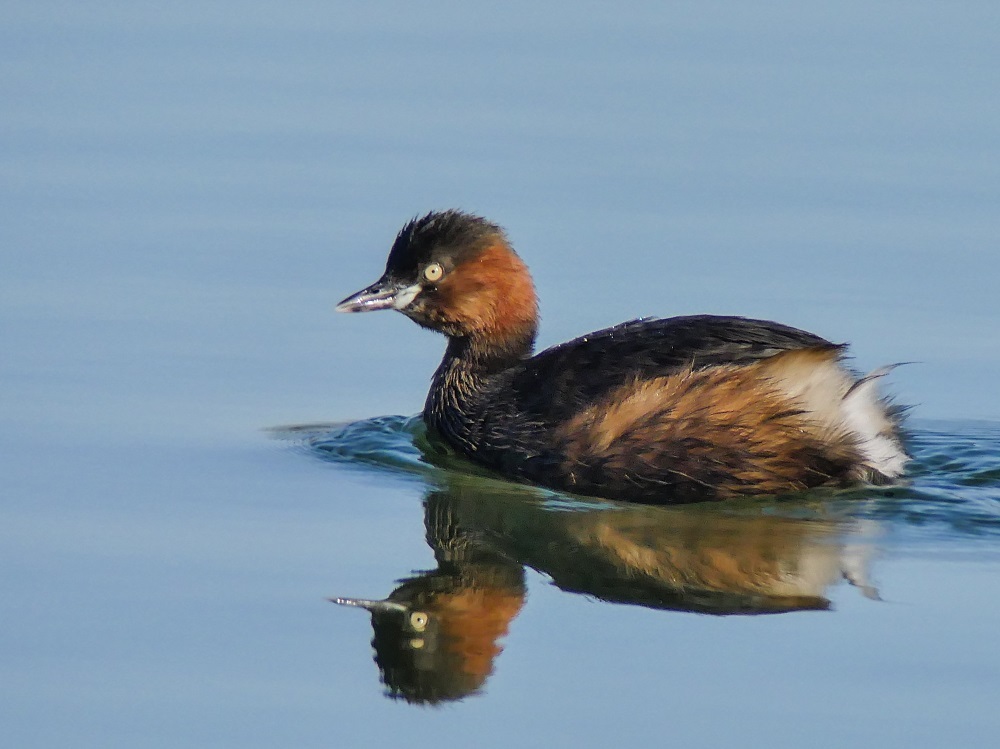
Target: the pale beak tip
(380, 295)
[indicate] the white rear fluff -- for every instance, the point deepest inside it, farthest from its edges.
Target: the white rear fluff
(868, 417)
(843, 407)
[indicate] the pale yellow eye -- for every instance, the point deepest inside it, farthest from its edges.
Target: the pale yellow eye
(433, 272)
(418, 620)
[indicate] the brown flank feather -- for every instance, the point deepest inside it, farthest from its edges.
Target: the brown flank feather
(723, 431)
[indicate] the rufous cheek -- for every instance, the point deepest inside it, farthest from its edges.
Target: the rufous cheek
(491, 294)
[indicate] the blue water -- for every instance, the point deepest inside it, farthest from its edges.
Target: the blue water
(185, 191)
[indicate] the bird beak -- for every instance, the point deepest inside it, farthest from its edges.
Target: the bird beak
(383, 294)
(376, 607)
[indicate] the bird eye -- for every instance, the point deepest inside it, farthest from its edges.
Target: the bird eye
(433, 272)
(418, 620)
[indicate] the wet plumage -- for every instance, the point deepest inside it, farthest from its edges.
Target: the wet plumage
(651, 410)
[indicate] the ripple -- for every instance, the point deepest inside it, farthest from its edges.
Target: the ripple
(389, 442)
(952, 487)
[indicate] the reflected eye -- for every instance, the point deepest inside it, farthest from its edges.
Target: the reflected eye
(418, 620)
(433, 272)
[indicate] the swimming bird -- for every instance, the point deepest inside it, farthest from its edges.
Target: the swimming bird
(654, 410)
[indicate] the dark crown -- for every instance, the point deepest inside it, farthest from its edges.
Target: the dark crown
(452, 233)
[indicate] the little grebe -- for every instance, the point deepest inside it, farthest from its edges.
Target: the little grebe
(652, 410)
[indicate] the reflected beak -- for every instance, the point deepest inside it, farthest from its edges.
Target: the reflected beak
(383, 294)
(376, 607)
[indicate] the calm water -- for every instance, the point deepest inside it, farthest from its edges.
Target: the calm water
(185, 191)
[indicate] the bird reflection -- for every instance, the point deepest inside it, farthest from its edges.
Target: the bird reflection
(436, 635)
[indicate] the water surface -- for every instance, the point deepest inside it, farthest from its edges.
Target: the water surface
(187, 188)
